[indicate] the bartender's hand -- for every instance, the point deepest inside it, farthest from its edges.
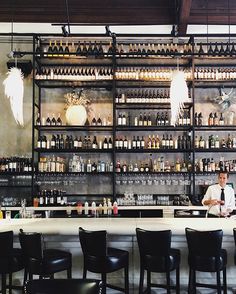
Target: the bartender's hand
(212, 202)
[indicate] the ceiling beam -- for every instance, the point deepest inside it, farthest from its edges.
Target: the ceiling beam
(184, 14)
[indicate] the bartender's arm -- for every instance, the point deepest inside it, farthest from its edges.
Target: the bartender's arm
(209, 199)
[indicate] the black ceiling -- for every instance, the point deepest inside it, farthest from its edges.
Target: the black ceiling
(126, 12)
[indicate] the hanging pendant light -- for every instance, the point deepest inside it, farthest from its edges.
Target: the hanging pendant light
(178, 95)
(14, 88)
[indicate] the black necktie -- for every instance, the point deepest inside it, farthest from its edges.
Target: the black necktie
(222, 196)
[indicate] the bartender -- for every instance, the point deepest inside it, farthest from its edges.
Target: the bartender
(220, 197)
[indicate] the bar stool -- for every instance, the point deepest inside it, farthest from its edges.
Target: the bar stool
(206, 255)
(98, 258)
(156, 255)
(11, 260)
(40, 261)
(64, 286)
(234, 232)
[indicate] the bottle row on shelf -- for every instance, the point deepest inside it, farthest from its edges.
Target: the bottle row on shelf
(153, 165)
(144, 96)
(61, 141)
(15, 164)
(76, 164)
(214, 142)
(53, 197)
(50, 120)
(60, 48)
(212, 120)
(161, 118)
(211, 165)
(76, 73)
(154, 142)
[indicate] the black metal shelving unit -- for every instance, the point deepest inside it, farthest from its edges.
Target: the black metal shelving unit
(117, 61)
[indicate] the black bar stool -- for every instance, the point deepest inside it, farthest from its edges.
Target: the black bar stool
(40, 261)
(64, 286)
(98, 258)
(11, 260)
(156, 255)
(206, 255)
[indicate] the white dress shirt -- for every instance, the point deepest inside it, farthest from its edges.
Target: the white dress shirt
(214, 192)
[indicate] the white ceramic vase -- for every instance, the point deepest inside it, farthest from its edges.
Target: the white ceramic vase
(76, 115)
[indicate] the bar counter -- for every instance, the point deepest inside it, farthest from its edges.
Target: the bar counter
(63, 233)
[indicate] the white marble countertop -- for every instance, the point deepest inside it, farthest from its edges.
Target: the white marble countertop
(116, 226)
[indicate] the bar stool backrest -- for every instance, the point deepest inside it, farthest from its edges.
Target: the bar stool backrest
(93, 243)
(6, 243)
(31, 244)
(204, 243)
(234, 231)
(154, 243)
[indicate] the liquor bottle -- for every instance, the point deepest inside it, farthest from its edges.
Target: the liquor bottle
(216, 50)
(49, 51)
(93, 122)
(215, 120)
(48, 121)
(200, 119)
(78, 50)
(90, 49)
(149, 121)
(110, 145)
(210, 119)
(210, 50)
(105, 143)
(134, 143)
(171, 142)
(221, 50)
(95, 49)
(142, 143)
(229, 142)
(166, 119)
(221, 120)
(233, 50)
(67, 142)
(99, 121)
(59, 121)
(60, 50)
(53, 121)
(84, 49)
(145, 122)
(55, 49)
(125, 143)
(100, 50)
(57, 142)
(138, 143)
(140, 121)
(200, 51)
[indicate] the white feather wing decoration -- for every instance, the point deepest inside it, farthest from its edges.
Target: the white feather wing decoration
(178, 95)
(14, 90)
